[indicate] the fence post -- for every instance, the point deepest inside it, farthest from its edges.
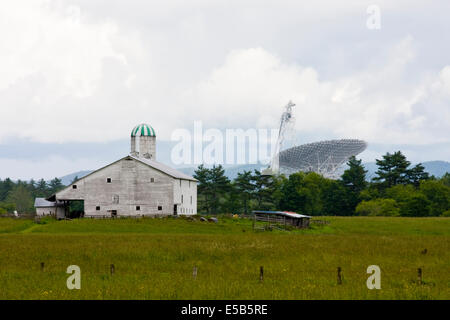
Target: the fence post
(112, 269)
(419, 276)
(339, 275)
(261, 273)
(42, 266)
(194, 272)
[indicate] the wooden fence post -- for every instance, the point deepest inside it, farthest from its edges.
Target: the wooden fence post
(339, 275)
(261, 273)
(419, 276)
(194, 272)
(42, 266)
(112, 269)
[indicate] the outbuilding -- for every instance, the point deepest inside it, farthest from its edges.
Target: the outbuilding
(283, 218)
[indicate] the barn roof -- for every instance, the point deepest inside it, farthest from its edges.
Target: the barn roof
(151, 163)
(163, 168)
(42, 203)
(283, 213)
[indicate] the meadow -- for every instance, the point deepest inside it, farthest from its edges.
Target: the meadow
(154, 259)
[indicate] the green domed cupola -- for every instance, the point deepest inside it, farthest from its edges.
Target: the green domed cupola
(143, 130)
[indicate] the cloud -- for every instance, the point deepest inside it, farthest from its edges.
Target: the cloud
(88, 71)
(378, 104)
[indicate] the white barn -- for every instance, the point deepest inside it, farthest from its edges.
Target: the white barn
(135, 185)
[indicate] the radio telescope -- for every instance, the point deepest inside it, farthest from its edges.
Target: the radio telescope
(323, 157)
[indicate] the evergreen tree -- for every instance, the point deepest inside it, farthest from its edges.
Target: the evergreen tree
(245, 188)
(5, 187)
(264, 190)
(417, 174)
(41, 189)
(212, 185)
(55, 185)
(354, 181)
(392, 170)
(219, 185)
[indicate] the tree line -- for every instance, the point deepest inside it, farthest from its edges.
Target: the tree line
(397, 190)
(19, 195)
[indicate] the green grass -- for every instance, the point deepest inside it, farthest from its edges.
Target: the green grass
(154, 258)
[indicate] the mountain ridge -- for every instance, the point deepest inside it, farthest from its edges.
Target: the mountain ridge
(435, 167)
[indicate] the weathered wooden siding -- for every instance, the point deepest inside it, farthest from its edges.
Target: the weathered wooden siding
(131, 183)
(185, 196)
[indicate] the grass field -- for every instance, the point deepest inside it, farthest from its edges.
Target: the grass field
(154, 259)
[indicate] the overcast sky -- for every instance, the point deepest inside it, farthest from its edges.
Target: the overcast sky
(79, 74)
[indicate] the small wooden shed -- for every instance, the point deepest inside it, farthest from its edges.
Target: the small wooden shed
(283, 218)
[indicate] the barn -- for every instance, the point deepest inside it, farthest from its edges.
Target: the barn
(135, 185)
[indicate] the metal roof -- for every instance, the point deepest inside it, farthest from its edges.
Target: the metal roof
(42, 203)
(165, 169)
(143, 129)
(284, 213)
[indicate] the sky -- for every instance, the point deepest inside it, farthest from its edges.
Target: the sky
(76, 76)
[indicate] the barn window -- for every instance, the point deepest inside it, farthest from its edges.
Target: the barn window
(138, 208)
(159, 208)
(97, 208)
(152, 179)
(74, 186)
(116, 199)
(108, 180)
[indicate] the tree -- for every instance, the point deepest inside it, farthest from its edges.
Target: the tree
(22, 198)
(264, 189)
(411, 202)
(446, 179)
(245, 188)
(212, 185)
(354, 181)
(417, 206)
(41, 189)
(303, 193)
(335, 199)
(392, 170)
(5, 187)
(378, 207)
(354, 178)
(202, 175)
(438, 194)
(55, 185)
(417, 174)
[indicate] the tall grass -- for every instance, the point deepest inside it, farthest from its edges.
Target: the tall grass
(154, 259)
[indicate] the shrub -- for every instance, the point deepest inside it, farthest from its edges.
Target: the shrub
(378, 207)
(416, 206)
(446, 213)
(438, 194)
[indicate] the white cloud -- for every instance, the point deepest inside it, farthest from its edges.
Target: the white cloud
(377, 104)
(89, 71)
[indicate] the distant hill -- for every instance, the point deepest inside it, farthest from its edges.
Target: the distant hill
(436, 168)
(66, 180)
